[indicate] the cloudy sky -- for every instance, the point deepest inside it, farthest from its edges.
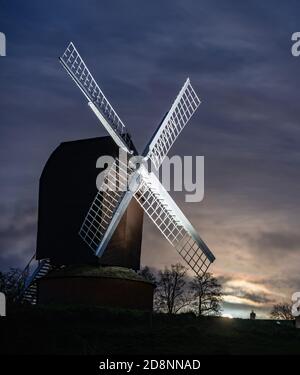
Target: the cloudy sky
(238, 57)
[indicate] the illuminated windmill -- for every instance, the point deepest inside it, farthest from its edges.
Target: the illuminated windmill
(56, 246)
(111, 202)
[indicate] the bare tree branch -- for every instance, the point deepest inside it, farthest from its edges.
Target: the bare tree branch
(282, 311)
(207, 295)
(171, 294)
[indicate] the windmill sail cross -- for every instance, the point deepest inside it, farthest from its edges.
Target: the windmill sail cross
(109, 205)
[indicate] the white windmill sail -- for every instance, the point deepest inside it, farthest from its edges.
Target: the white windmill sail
(107, 208)
(77, 69)
(172, 223)
(178, 116)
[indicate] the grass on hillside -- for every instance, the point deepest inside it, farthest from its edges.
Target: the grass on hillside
(83, 330)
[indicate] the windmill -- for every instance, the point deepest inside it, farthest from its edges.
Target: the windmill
(111, 202)
(116, 192)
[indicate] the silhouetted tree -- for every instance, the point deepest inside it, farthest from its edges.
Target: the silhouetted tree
(10, 283)
(282, 311)
(207, 295)
(147, 274)
(171, 293)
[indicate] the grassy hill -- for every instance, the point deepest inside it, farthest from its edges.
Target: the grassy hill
(83, 330)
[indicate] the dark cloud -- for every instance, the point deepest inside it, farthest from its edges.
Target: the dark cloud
(17, 235)
(262, 299)
(278, 242)
(206, 59)
(258, 298)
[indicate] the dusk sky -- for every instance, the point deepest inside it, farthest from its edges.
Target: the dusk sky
(238, 57)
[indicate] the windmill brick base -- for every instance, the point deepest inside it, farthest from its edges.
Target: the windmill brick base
(111, 287)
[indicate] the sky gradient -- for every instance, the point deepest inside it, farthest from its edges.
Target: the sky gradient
(238, 57)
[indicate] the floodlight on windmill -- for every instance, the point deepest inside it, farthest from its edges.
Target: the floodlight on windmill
(112, 200)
